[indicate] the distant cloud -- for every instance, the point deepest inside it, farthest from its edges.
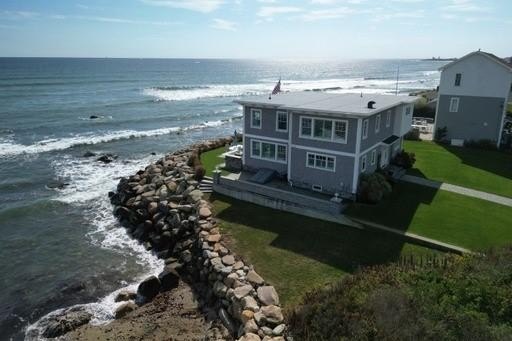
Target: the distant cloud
(15, 15)
(222, 24)
(465, 6)
(204, 6)
(270, 11)
(324, 14)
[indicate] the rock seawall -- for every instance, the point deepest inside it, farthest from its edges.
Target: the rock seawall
(163, 208)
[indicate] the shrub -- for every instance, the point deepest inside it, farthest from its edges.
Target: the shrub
(199, 172)
(413, 135)
(194, 160)
(440, 135)
(372, 188)
(469, 298)
(404, 159)
(481, 144)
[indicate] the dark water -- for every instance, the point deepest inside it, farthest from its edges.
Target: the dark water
(60, 247)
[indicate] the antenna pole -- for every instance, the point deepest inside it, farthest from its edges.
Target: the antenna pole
(397, 78)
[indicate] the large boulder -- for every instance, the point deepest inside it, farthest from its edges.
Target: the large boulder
(124, 309)
(273, 314)
(65, 322)
(169, 279)
(268, 295)
(254, 278)
(149, 288)
(125, 295)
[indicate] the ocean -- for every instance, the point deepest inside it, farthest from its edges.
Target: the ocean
(59, 242)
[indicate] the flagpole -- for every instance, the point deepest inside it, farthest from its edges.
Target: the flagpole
(397, 78)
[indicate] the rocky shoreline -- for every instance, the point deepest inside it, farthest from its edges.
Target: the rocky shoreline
(162, 207)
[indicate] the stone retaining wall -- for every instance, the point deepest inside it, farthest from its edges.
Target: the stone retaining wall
(163, 208)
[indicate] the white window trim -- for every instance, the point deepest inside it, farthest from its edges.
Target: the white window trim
(363, 163)
(373, 157)
(285, 161)
(332, 139)
(317, 188)
(320, 168)
(366, 124)
(253, 111)
(388, 119)
(377, 126)
(277, 121)
(385, 160)
(456, 106)
(405, 110)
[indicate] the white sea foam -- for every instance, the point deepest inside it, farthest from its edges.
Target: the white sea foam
(341, 85)
(89, 183)
(10, 148)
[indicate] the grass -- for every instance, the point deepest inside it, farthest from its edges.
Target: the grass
(296, 253)
(211, 159)
(453, 218)
(484, 170)
(509, 108)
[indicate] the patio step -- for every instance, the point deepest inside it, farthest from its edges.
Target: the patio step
(206, 185)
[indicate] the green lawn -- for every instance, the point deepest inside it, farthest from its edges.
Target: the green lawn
(211, 159)
(468, 222)
(509, 108)
(296, 253)
(485, 170)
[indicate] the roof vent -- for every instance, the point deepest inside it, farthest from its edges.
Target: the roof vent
(371, 104)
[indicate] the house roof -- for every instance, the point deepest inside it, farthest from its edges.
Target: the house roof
(322, 102)
(490, 56)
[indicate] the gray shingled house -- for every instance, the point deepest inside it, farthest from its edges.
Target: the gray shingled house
(473, 94)
(322, 141)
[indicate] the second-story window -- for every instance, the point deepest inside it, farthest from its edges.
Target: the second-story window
(388, 119)
(377, 123)
(256, 118)
(305, 126)
(282, 121)
(324, 129)
(365, 129)
(458, 79)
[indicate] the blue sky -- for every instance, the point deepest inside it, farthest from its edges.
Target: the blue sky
(276, 29)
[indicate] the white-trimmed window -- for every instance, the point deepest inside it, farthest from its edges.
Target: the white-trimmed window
(268, 151)
(454, 104)
(256, 118)
(373, 157)
(324, 129)
(306, 125)
(365, 129)
(363, 163)
(282, 121)
(388, 118)
(385, 160)
(407, 110)
(320, 161)
(377, 123)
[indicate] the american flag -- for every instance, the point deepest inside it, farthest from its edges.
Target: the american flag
(277, 88)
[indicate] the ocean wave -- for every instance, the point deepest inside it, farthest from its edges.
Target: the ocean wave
(373, 85)
(10, 148)
(89, 183)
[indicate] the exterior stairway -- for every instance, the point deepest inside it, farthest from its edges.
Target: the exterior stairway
(206, 185)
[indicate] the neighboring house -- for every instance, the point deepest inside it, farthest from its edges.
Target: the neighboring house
(323, 141)
(473, 95)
